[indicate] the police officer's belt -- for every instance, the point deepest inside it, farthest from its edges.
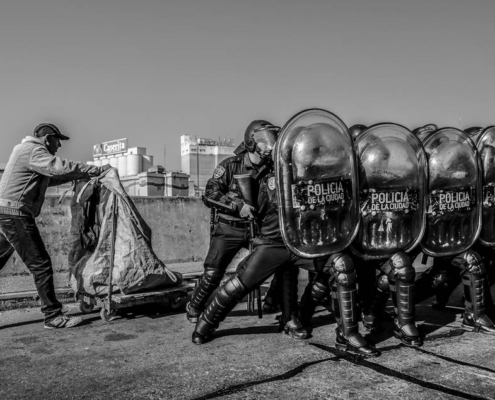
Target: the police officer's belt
(237, 224)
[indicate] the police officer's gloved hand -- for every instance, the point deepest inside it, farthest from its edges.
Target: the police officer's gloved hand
(247, 211)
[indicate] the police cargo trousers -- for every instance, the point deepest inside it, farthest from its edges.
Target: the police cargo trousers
(225, 243)
(265, 260)
(21, 234)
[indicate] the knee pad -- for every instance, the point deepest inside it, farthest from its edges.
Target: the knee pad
(212, 277)
(343, 269)
(232, 290)
(319, 291)
(340, 262)
(401, 268)
(382, 283)
(472, 263)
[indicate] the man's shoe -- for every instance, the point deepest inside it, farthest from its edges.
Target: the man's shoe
(295, 330)
(63, 321)
(408, 334)
(482, 324)
(356, 344)
(192, 314)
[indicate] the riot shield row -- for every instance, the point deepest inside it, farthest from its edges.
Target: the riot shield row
(383, 189)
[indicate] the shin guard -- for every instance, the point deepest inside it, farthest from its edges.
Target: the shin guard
(218, 309)
(202, 292)
(401, 279)
(315, 293)
(373, 314)
(344, 294)
(473, 279)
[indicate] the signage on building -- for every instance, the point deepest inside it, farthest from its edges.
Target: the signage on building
(111, 147)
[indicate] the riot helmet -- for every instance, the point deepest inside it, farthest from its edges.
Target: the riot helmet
(260, 137)
(320, 151)
(355, 130)
(422, 132)
(473, 132)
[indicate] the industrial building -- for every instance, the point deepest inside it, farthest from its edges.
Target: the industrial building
(136, 171)
(200, 156)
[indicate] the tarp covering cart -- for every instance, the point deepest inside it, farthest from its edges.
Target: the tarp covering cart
(112, 263)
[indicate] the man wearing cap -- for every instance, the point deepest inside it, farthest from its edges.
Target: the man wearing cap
(31, 168)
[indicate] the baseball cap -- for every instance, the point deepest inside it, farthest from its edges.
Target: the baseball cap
(48, 129)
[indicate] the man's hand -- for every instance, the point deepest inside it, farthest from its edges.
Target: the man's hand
(105, 168)
(247, 211)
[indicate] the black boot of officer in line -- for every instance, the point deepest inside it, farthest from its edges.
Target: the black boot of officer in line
(397, 278)
(336, 276)
(442, 279)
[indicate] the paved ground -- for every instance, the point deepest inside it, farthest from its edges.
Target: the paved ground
(149, 355)
(25, 283)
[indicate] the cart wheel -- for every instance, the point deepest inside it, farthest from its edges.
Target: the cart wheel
(178, 302)
(85, 307)
(105, 316)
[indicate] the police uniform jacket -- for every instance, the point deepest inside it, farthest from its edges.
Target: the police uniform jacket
(222, 191)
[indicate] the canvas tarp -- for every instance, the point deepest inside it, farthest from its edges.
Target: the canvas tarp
(95, 224)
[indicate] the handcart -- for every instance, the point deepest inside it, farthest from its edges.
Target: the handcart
(112, 304)
(174, 298)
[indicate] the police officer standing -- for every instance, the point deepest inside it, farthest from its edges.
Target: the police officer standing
(31, 168)
(231, 230)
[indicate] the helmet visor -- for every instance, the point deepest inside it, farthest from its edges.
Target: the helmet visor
(265, 138)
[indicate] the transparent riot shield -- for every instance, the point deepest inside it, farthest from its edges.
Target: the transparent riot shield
(453, 216)
(485, 142)
(317, 184)
(392, 177)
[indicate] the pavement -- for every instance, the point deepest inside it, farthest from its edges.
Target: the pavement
(148, 354)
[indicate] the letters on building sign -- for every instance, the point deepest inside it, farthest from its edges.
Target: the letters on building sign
(112, 147)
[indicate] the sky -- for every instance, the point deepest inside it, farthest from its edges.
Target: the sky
(151, 71)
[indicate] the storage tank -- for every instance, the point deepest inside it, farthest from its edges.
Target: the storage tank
(97, 162)
(147, 163)
(134, 164)
(114, 162)
(105, 161)
(122, 167)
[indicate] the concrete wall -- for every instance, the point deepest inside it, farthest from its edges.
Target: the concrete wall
(180, 227)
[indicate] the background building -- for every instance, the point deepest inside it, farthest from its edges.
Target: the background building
(137, 173)
(200, 156)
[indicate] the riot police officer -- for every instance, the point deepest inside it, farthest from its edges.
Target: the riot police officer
(393, 196)
(459, 182)
(269, 256)
(318, 182)
(231, 226)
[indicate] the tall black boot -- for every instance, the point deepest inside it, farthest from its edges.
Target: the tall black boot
(344, 295)
(401, 279)
(287, 299)
(372, 316)
(475, 318)
(473, 280)
(218, 309)
(270, 304)
(316, 292)
(201, 293)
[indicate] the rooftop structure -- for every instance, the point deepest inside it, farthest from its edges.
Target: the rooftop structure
(200, 156)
